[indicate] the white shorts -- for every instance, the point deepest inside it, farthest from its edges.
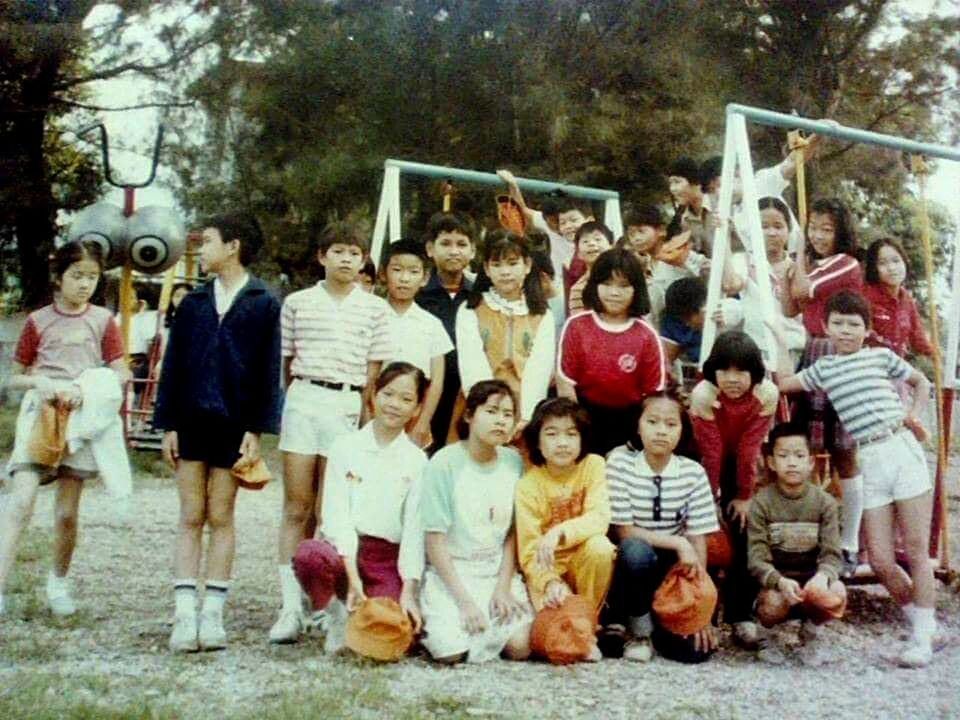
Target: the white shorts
(893, 469)
(315, 416)
(79, 464)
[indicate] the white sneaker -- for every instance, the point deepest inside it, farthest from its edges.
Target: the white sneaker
(638, 650)
(211, 635)
(183, 639)
(61, 604)
(918, 654)
(594, 655)
(336, 638)
(288, 627)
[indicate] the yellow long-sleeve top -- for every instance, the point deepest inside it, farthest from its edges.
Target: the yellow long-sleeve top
(577, 501)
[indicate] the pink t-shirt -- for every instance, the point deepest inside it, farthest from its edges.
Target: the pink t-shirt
(62, 346)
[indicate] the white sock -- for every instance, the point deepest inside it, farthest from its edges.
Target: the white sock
(289, 588)
(909, 611)
(924, 624)
(215, 596)
(852, 512)
(57, 586)
(185, 596)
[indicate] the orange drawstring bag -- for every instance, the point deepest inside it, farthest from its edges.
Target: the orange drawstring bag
(564, 634)
(719, 549)
(48, 438)
(685, 601)
(251, 475)
(824, 604)
(510, 215)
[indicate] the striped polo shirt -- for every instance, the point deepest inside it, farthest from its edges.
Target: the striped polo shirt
(676, 501)
(860, 389)
(333, 339)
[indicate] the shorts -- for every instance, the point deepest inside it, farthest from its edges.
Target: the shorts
(893, 469)
(79, 464)
(210, 439)
(315, 416)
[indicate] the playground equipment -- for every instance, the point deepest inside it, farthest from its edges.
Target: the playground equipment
(737, 155)
(388, 211)
(145, 241)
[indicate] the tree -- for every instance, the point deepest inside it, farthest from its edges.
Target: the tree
(51, 55)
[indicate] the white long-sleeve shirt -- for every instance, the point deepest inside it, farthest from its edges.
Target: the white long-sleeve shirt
(374, 490)
(474, 365)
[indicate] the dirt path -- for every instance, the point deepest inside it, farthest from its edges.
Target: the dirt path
(111, 660)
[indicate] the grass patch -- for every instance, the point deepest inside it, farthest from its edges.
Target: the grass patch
(696, 711)
(149, 464)
(50, 696)
(8, 423)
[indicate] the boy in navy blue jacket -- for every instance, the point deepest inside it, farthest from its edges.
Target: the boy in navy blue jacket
(219, 391)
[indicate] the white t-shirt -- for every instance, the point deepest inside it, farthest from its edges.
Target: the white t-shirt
(417, 337)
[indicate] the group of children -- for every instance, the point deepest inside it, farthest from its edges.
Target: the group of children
(447, 449)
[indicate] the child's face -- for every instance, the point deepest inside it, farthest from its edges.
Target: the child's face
(846, 331)
(507, 274)
(569, 222)
(79, 281)
(775, 230)
(642, 238)
(697, 320)
(396, 402)
(214, 252)
(560, 441)
(592, 245)
(365, 282)
(791, 461)
(822, 234)
(616, 295)
(451, 252)
(660, 426)
(734, 383)
(890, 267)
(493, 422)
(405, 275)
(343, 262)
(679, 189)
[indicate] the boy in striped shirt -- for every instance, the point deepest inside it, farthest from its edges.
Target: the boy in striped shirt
(896, 483)
(334, 339)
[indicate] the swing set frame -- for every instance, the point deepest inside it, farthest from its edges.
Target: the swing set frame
(736, 154)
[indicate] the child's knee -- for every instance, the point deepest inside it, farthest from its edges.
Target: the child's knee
(772, 607)
(65, 519)
(297, 511)
(518, 646)
(193, 517)
(599, 550)
(636, 556)
(220, 518)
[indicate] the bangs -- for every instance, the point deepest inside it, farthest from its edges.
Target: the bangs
(504, 249)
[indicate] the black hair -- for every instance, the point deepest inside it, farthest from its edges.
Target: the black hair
(171, 312)
(782, 430)
(443, 222)
(685, 167)
(649, 215)
(848, 302)
(369, 269)
(406, 246)
(500, 244)
(734, 349)
(241, 226)
(774, 203)
(478, 395)
(342, 233)
(685, 445)
(624, 262)
(845, 233)
(709, 170)
(555, 408)
(73, 252)
(541, 263)
(550, 207)
(397, 369)
(870, 273)
(592, 226)
(685, 297)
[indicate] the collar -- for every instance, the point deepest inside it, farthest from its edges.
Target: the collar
(643, 469)
(507, 307)
(435, 286)
(253, 286)
(218, 285)
(367, 442)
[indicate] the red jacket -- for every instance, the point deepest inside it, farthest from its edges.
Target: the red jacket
(896, 322)
(737, 430)
(836, 273)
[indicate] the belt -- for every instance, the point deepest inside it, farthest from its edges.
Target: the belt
(882, 435)
(333, 385)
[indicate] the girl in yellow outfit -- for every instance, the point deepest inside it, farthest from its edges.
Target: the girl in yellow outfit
(563, 510)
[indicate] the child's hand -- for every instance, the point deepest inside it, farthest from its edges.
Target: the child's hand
(471, 619)
(704, 400)
(791, 590)
(546, 548)
(411, 607)
(507, 177)
(717, 317)
(817, 581)
(421, 435)
(556, 592)
(518, 430)
(737, 511)
(69, 397)
(170, 448)
(686, 553)
(504, 606)
(355, 596)
(249, 448)
(706, 640)
(917, 428)
(769, 396)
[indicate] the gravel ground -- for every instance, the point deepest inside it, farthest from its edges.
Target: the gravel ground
(113, 654)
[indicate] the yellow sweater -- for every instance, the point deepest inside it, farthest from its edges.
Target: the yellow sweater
(578, 502)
